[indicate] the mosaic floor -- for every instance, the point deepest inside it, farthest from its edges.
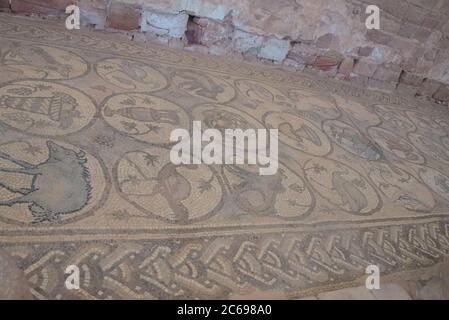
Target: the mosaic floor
(85, 176)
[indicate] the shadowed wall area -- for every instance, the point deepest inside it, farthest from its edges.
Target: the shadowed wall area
(409, 52)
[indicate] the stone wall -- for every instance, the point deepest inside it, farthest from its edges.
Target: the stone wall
(409, 53)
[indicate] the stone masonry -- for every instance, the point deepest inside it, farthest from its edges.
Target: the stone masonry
(409, 53)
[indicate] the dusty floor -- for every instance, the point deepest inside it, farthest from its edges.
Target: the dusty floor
(85, 176)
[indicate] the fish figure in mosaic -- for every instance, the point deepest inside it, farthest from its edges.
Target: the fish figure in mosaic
(145, 114)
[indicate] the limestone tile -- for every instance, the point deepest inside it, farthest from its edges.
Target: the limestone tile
(391, 291)
(358, 293)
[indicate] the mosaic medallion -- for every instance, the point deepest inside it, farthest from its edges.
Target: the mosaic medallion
(352, 140)
(437, 181)
(362, 115)
(259, 93)
(394, 118)
(284, 195)
(145, 117)
(396, 145)
(402, 188)
(221, 117)
(42, 62)
(177, 194)
(298, 133)
(45, 108)
(314, 106)
(431, 147)
(44, 181)
(130, 75)
(342, 186)
(425, 123)
(202, 85)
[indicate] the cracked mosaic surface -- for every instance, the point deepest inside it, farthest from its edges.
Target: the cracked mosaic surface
(85, 176)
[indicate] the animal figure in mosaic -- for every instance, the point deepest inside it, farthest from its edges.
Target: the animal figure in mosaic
(133, 70)
(349, 192)
(201, 84)
(301, 135)
(174, 188)
(60, 185)
(37, 56)
(255, 193)
(357, 142)
(145, 114)
(443, 183)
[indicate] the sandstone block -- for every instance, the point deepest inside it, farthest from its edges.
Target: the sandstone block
(274, 49)
(122, 16)
(365, 67)
(173, 25)
(387, 73)
(245, 42)
(346, 67)
(40, 6)
(93, 12)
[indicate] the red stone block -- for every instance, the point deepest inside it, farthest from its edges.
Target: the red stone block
(123, 17)
(365, 68)
(40, 6)
(346, 67)
(4, 4)
(327, 62)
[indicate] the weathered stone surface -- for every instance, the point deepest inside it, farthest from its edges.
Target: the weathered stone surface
(93, 12)
(4, 4)
(414, 34)
(407, 90)
(429, 87)
(329, 213)
(327, 62)
(13, 284)
(431, 289)
(381, 85)
(197, 48)
(303, 53)
(379, 37)
(176, 43)
(124, 17)
(274, 49)
(346, 67)
(216, 33)
(365, 67)
(391, 291)
(358, 293)
(245, 42)
(411, 79)
(413, 31)
(40, 6)
(442, 94)
(173, 25)
(444, 276)
(387, 73)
